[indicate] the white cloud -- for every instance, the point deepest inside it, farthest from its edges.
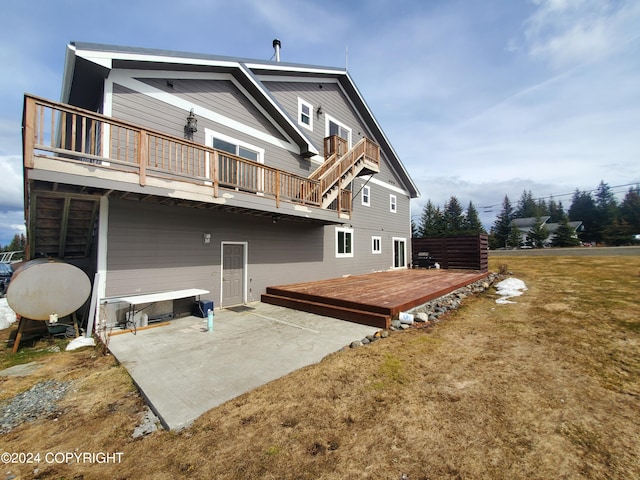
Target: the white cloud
(570, 32)
(11, 192)
(307, 23)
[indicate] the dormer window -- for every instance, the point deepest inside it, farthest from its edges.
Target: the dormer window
(305, 117)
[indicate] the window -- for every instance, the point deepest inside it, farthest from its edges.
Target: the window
(393, 204)
(336, 128)
(305, 117)
(376, 244)
(366, 196)
(344, 242)
(235, 149)
(231, 171)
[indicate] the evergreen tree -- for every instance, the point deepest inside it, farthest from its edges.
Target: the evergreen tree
(583, 208)
(565, 235)
(18, 244)
(431, 221)
(542, 208)
(472, 224)
(527, 206)
(630, 209)
(617, 233)
(501, 227)
(515, 237)
(555, 211)
(414, 229)
(538, 233)
(453, 217)
(606, 211)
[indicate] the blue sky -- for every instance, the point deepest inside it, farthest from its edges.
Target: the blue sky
(479, 99)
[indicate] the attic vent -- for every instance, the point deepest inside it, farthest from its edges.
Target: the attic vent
(276, 47)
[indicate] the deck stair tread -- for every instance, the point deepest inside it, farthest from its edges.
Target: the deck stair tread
(353, 315)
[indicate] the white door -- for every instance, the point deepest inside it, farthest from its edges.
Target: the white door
(232, 274)
(399, 252)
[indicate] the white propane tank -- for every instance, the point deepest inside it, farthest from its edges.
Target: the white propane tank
(47, 286)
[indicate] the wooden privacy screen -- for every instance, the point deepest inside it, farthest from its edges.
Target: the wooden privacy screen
(466, 253)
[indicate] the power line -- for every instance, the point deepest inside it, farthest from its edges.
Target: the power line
(489, 208)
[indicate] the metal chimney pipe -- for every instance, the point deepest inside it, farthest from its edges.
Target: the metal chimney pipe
(276, 46)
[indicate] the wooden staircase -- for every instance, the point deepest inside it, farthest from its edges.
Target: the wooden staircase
(63, 225)
(342, 167)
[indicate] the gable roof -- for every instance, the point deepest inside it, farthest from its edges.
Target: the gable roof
(552, 227)
(528, 222)
(88, 64)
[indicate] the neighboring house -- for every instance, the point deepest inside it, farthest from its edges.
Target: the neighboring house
(165, 170)
(525, 225)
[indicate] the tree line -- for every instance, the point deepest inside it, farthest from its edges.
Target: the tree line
(604, 220)
(18, 244)
(450, 221)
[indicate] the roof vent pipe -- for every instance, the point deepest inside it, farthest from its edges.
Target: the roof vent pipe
(276, 47)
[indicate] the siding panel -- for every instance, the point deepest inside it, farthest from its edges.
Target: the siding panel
(335, 104)
(141, 109)
(220, 96)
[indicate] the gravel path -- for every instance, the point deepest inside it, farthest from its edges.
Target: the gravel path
(27, 406)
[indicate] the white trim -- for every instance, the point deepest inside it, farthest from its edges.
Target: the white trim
(382, 183)
(367, 189)
(170, 74)
(103, 230)
(107, 110)
(121, 78)
(373, 245)
(393, 203)
(329, 118)
(304, 103)
(285, 78)
(291, 68)
(245, 268)
(345, 230)
(95, 56)
(209, 134)
(393, 251)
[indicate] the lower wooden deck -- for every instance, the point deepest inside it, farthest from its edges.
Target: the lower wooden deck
(373, 299)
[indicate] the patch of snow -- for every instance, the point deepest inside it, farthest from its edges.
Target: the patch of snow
(80, 342)
(7, 316)
(509, 288)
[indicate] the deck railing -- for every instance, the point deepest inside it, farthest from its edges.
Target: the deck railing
(365, 149)
(70, 134)
(335, 144)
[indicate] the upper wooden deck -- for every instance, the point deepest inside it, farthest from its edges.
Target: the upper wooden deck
(69, 134)
(374, 298)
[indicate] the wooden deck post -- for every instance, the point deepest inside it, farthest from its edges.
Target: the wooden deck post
(214, 172)
(29, 131)
(143, 155)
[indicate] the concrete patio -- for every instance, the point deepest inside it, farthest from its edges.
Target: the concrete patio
(183, 370)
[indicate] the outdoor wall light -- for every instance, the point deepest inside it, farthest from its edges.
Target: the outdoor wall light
(206, 238)
(319, 111)
(191, 126)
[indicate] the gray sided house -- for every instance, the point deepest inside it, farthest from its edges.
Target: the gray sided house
(524, 226)
(165, 171)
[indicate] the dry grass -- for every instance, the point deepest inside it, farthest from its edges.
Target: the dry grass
(546, 388)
